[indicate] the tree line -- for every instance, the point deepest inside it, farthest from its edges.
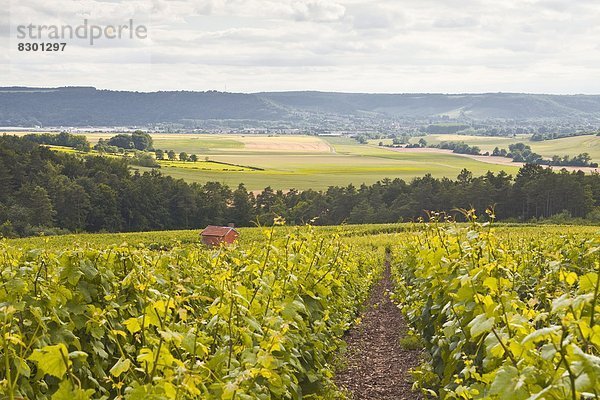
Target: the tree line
(53, 192)
(66, 139)
(138, 140)
(520, 152)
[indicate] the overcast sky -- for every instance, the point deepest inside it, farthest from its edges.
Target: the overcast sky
(541, 46)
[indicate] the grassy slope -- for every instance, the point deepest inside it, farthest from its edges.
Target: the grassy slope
(571, 146)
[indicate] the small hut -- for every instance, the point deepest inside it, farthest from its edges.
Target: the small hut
(215, 235)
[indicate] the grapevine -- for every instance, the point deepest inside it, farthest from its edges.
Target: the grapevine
(502, 318)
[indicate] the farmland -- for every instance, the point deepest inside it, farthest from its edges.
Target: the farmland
(157, 315)
(303, 162)
(571, 146)
(311, 162)
(131, 322)
(300, 162)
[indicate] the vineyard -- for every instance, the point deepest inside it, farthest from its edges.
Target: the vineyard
(503, 317)
(250, 322)
(503, 312)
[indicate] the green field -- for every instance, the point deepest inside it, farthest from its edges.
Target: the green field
(303, 162)
(299, 162)
(319, 172)
(571, 146)
(211, 166)
(197, 145)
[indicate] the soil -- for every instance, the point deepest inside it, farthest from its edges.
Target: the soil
(377, 365)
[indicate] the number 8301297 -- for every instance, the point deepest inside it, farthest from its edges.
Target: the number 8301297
(41, 46)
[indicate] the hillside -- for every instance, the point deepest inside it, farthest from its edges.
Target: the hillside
(475, 106)
(87, 106)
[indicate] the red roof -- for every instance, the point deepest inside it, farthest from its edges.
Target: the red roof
(219, 231)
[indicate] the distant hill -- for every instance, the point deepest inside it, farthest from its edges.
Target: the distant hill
(87, 106)
(474, 106)
(83, 106)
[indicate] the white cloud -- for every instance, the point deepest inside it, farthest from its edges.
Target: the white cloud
(349, 45)
(457, 22)
(318, 10)
(372, 16)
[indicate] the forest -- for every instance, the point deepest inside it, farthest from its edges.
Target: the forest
(47, 192)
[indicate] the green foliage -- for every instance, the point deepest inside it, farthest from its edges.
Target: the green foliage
(521, 152)
(259, 321)
(138, 140)
(459, 148)
(411, 342)
(362, 139)
(64, 139)
(144, 160)
(580, 160)
(503, 318)
(420, 144)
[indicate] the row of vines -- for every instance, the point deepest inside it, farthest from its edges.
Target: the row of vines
(501, 317)
(257, 321)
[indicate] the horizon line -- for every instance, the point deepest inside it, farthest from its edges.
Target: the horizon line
(6, 88)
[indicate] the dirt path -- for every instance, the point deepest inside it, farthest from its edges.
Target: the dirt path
(377, 365)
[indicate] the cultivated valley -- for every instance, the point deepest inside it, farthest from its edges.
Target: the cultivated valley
(299, 200)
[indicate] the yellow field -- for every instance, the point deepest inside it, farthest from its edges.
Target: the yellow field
(200, 166)
(212, 143)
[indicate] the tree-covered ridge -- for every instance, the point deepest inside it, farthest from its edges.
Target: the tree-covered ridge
(80, 106)
(46, 191)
